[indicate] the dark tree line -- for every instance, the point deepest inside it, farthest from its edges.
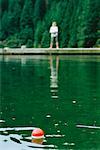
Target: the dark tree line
(27, 22)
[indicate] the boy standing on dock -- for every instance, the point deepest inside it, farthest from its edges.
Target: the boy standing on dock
(54, 35)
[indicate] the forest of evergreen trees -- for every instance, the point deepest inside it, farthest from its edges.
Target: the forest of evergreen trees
(27, 22)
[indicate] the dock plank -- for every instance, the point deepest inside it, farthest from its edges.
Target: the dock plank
(47, 51)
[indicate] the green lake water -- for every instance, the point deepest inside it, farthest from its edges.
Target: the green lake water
(54, 93)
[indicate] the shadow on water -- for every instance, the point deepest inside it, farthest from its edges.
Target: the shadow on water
(59, 94)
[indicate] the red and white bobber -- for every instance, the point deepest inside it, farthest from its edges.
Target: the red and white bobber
(37, 136)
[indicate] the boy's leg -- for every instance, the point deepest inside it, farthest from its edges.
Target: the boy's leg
(51, 44)
(57, 44)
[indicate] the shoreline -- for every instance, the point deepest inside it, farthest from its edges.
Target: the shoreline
(48, 51)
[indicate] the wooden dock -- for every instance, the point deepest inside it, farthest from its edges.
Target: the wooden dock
(48, 51)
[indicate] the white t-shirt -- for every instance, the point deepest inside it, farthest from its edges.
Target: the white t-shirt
(54, 31)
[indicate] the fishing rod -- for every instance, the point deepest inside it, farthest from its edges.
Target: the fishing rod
(90, 127)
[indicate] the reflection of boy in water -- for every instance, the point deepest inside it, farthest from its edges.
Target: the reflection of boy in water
(54, 34)
(54, 72)
(54, 76)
